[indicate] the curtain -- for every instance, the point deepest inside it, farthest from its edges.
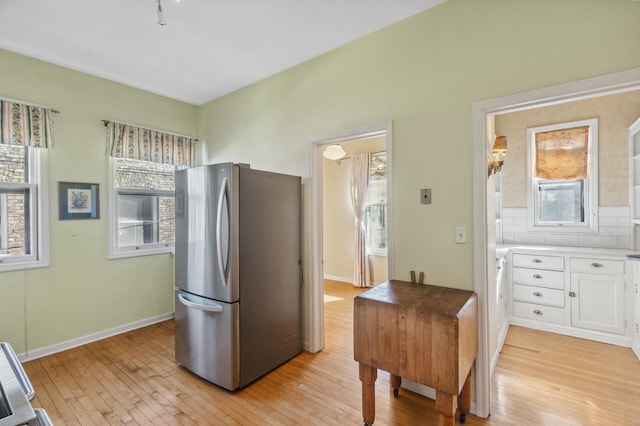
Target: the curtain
(562, 154)
(359, 183)
(25, 125)
(127, 141)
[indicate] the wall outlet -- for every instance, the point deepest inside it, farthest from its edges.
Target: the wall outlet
(461, 234)
(425, 196)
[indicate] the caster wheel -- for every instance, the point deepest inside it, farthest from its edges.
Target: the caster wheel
(463, 417)
(396, 391)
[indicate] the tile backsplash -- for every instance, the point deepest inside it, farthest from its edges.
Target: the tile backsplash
(614, 230)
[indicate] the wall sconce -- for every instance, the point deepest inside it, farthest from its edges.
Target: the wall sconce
(498, 154)
(334, 152)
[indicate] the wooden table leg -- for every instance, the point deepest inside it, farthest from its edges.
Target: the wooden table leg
(368, 376)
(446, 406)
(396, 381)
(464, 400)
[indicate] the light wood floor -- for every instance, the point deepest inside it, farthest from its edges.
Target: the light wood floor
(541, 379)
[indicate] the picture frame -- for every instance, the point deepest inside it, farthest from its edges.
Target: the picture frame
(78, 200)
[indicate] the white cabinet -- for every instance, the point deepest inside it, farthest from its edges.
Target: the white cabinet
(538, 288)
(573, 294)
(636, 297)
(597, 294)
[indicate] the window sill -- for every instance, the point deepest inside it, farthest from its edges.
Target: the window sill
(142, 252)
(18, 266)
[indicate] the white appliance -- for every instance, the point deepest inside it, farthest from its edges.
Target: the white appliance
(16, 392)
(238, 272)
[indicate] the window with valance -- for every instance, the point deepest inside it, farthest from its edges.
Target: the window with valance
(25, 133)
(563, 176)
(143, 163)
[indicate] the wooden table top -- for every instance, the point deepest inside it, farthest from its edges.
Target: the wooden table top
(419, 297)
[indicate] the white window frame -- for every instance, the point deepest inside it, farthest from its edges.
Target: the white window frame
(116, 252)
(590, 224)
(37, 183)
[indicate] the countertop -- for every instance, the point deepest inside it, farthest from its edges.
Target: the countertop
(567, 250)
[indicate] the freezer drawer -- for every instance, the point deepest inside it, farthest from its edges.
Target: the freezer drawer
(207, 338)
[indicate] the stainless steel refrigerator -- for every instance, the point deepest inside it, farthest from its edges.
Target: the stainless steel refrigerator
(237, 272)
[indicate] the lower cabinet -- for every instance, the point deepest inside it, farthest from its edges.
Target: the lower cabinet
(597, 302)
(571, 294)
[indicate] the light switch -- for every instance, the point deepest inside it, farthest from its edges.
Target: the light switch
(461, 234)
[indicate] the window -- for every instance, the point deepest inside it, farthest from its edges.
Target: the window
(23, 208)
(562, 173)
(143, 197)
(376, 211)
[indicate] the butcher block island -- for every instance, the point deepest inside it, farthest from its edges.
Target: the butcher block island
(424, 333)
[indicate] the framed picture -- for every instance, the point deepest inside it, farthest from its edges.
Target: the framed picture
(79, 200)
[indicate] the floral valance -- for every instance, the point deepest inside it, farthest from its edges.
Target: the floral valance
(127, 141)
(25, 125)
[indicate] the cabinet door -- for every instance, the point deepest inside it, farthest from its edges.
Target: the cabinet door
(597, 302)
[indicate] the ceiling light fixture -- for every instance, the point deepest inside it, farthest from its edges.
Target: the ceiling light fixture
(161, 19)
(334, 152)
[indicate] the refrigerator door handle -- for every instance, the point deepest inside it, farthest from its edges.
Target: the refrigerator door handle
(208, 308)
(221, 204)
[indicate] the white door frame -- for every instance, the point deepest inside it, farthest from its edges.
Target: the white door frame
(314, 227)
(486, 110)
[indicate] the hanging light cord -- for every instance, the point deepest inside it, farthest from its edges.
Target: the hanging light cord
(161, 19)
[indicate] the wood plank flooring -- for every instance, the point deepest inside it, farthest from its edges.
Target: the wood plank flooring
(132, 379)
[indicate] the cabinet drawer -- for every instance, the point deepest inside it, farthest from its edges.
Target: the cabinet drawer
(535, 261)
(538, 312)
(597, 266)
(539, 277)
(543, 296)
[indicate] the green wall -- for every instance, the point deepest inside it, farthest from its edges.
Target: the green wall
(83, 292)
(424, 74)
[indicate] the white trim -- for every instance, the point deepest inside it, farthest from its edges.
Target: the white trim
(89, 338)
(116, 252)
(595, 336)
(314, 229)
(583, 89)
(427, 391)
(590, 224)
(502, 336)
(38, 183)
(339, 279)
(636, 348)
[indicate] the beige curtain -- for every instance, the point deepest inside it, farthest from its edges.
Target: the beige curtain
(562, 154)
(25, 125)
(359, 182)
(127, 141)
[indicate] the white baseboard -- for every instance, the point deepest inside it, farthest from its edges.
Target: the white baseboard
(636, 348)
(427, 391)
(340, 279)
(79, 341)
(596, 336)
(502, 335)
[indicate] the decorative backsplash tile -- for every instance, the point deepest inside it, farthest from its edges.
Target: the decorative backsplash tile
(614, 230)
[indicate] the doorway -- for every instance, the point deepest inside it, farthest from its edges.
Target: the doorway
(484, 114)
(374, 139)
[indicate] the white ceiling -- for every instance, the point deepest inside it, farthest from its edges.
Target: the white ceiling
(208, 47)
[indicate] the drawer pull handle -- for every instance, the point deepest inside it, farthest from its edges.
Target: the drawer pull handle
(537, 276)
(572, 294)
(537, 261)
(537, 294)
(596, 265)
(537, 312)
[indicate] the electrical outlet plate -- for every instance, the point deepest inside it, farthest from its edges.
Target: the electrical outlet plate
(425, 196)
